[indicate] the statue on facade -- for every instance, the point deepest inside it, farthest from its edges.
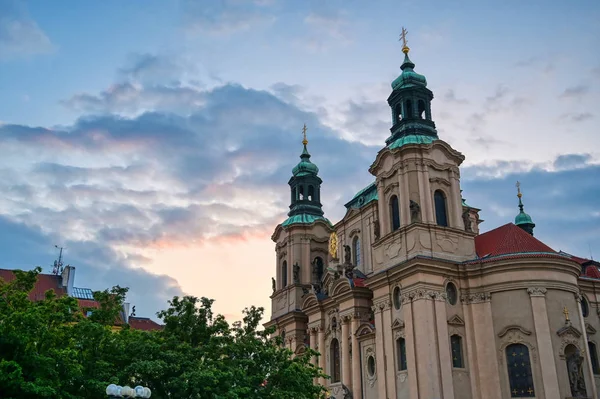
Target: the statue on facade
(296, 273)
(575, 370)
(467, 220)
(347, 254)
(376, 229)
(415, 212)
(274, 286)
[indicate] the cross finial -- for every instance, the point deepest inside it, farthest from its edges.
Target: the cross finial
(405, 48)
(304, 129)
(518, 185)
(566, 313)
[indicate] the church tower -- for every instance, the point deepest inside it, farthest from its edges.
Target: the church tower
(301, 250)
(421, 212)
(523, 220)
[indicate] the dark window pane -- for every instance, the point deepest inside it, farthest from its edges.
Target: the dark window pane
(440, 208)
(401, 348)
(451, 294)
(594, 356)
(395, 213)
(585, 308)
(519, 371)
(335, 360)
(284, 274)
(457, 355)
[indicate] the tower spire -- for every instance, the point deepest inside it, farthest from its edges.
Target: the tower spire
(523, 220)
(405, 48)
(304, 141)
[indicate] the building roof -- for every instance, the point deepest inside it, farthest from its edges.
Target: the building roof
(45, 282)
(144, 323)
(510, 240)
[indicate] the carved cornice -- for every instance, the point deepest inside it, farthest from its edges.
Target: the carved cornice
(478, 297)
(568, 329)
(589, 329)
(537, 291)
(515, 327)
(379, 305)
(421, 293)
(456, 320)
(439, 180)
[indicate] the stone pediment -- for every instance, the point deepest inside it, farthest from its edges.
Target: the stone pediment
(568, 329)
(364, 329)
(397, 324)
(514, 328)
(589, 329)
(456, 320)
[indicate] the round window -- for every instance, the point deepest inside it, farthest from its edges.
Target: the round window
(451, 293)
(397, 298)
(371, 366)
(585, 308)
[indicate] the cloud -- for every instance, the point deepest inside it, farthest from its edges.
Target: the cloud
(576, 116)
(575, 92)
(20, 35)
(450, 96)
(326, 26)
(225, 17)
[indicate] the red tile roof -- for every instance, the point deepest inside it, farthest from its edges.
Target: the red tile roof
(592, 272)
(143, 323)
(509, 239)
(44, 283)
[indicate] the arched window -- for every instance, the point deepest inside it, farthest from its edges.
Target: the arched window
(421, 109)
(284, 279)
(398, 115)
(401, 353)
(356, 250)
(395, 213)
(371, 366)
(397, 298)
(334, 360)
(311, 193)
(317, 270)
(575, 360)
(301, 192)
(440, 208)
(519, 371)
(594, 357)
(457, 353)
(451, 293)
(408, 109)
(585, 307)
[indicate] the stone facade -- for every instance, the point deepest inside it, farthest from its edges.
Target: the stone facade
(404, 298)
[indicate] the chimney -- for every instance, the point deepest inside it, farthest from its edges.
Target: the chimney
(68, 279)
(126, 312)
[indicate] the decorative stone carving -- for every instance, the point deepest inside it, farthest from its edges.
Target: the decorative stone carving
(568, 329)
(478, 297)
(370, 351)
(536, 291)
(376, 229)
(402, 375)
(296, 273)
(516, 335)
(380, 305)
(274, 285)
(467, 221)
(589, 329)
(513, 329)
(575, 370)
(456, 320)
(347, 254)
(415, 212)
(397, 324)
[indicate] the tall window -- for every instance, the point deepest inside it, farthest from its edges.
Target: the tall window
(317, 270)
(284, 278)
(594, 356)
(585, 308)
(440, 208)
(356, 248)
(311, 193)
(334, 359)
(519, 371)
(457, 354)
(401, 353)
(395, 213)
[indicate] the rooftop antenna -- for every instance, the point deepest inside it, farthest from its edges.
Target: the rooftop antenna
(591, 254)
(57, 268)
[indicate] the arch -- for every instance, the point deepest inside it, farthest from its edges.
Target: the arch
(421, 109)
(397, 297)
(585, 306)
(364, 329)
(300, 192)
(339, 286)
(594, 357)
(394, 213)
(356, 250)
(518, 364)
(401, 353)
(294, 194)
(318, 267)
(311, 193)
(284, 276)
(397, 113)
(451, 293)
(456, 349)
(334, 360)
(408, 109)
(441, 216)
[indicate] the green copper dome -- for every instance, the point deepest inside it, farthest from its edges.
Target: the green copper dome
(305, 167)
(408, 77)
(523, 218)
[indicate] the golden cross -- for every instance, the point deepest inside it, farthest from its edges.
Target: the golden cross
(530, 391)
(515, 392)
(566, 313)
(304, 129)
(403, 37)
(518, 185)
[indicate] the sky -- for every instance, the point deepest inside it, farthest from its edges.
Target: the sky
(153, 140)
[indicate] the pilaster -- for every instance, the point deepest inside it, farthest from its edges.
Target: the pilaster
(445, 358)
(322, 358)
(384, 218)
(356, 370)
(455, 201)
(312, 342)
(346, 365)
(544, 342)
(591, 378)
(427, 214)
(378, 307)
(404, 199)
(411, 358)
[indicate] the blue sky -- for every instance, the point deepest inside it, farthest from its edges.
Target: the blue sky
(155, 139)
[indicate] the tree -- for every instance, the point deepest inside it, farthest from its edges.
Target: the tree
(48, 350)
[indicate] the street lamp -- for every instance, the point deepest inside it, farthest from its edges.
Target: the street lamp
(116, 391)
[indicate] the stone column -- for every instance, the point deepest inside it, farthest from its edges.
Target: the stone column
(356, 370)
(384, 217)
(544, 342)
(322, 351)
(591, 390)
(471, 351)
(487, 366)
(380, 351)
(390, 369)
(422, 193)
(312, 342)
(346, 365)
(445, 357)
(411, 358)
(305, 276)
(455, 205)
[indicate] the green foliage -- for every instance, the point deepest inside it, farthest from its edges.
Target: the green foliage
(48, 350)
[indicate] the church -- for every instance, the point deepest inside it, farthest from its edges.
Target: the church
(404, 298)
